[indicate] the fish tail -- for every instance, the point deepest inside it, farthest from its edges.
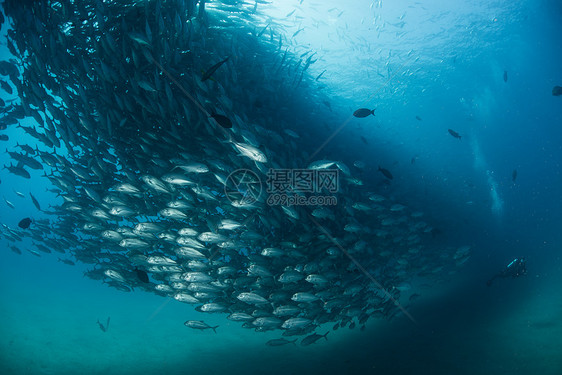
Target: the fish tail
(326, 335)
(229, 140)
(215, 329)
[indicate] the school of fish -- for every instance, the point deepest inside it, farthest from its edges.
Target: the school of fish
(146, 114)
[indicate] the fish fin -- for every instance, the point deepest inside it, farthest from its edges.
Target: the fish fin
(204, 75)
(326, 335)
(215, 329)
(229, 138)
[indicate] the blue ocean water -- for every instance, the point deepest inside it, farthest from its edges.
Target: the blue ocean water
(443, 62)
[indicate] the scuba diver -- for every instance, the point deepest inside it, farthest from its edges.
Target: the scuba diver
(514, 269)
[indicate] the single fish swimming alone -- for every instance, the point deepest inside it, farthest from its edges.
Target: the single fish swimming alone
(142, 276)
(213, 69)
(557, 91)
(8, 203)
(386, 173)
(263, 31)
(6, 86)
(297, 32)
(320, 75)
(280, 342)
(363, 112)
(18, 170)
(250, 151)
(222, 120)
(24, 223)
(35, 201)
(199, 324)
(454, 133)
(67, 261)
(505, 75)
(313, 338)
(514, 175)
(102, 327)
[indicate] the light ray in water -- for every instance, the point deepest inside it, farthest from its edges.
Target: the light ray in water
(497, 201)
(363, 270)
(159, 309)
(481, 165)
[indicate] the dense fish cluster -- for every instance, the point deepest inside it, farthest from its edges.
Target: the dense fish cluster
(146, 112)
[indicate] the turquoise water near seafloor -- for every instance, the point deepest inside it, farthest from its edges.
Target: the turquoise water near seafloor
(48, 311)
(49, 314)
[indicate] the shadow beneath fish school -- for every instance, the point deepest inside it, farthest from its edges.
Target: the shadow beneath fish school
(470, 330)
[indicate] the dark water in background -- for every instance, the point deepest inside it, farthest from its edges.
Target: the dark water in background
(48, 310)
